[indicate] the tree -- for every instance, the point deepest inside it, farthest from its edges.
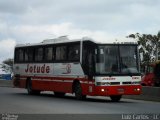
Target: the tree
(7, 65)
(8, 62)
(148, 46)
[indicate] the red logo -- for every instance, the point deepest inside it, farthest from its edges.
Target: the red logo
(108, 78)
(37, 69)
(68, 69)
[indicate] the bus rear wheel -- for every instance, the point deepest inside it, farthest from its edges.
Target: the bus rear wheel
(115, 98)
(78, 92)
(30, 90)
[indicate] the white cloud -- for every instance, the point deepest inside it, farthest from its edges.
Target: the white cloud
(29, 34)
(7, 49)
(35, 20)
(13, 6)
(37, 33)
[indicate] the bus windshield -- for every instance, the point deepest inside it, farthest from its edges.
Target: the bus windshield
(117, 59)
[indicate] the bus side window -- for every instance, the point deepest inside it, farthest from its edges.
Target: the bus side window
(16, 56)
(49, 53)
(61, 53)
(73, 52)
(28, 57)
(39, 54)
(19, 55)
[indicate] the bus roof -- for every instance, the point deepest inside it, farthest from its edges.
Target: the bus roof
(65, 39)
(61, 39)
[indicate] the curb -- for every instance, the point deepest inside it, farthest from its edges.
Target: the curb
(6, 83)
(148, 94)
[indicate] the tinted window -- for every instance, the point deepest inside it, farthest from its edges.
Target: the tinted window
(49, 53)
(74, 52)
(39, 54)
(29, 52)
(19, 55)
(61, 53)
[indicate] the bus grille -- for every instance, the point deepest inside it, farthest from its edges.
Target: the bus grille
(115, 83)
(126, 83)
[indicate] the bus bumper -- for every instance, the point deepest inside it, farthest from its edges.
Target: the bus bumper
(118, 90)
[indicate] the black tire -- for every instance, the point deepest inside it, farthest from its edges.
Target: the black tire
(30, 90)
(115, 98)
(59, 94)
(78, 92)
(156, 84)
(143, 84)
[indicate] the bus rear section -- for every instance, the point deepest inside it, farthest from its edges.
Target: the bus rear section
(82, 67)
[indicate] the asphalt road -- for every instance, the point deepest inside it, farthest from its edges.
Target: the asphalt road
(17, 101)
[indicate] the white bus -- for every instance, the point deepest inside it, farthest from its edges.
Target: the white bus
(80, 66)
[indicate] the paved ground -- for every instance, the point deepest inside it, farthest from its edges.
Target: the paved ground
(17, 101)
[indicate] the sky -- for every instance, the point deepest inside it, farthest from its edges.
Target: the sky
(32, 21)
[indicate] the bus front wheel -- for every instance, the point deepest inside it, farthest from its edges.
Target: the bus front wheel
(115, 98)
(78, 92)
